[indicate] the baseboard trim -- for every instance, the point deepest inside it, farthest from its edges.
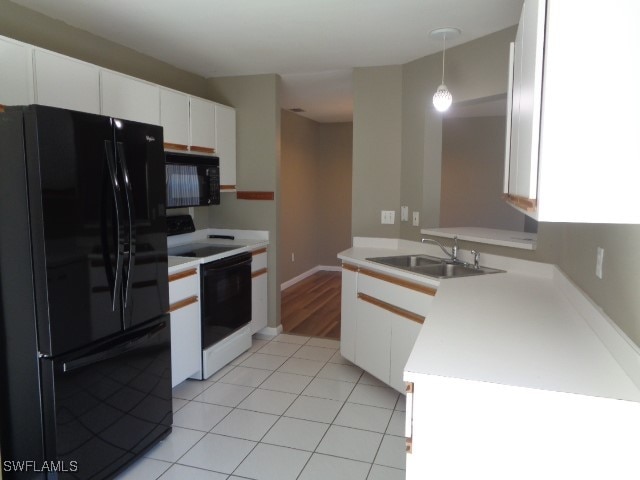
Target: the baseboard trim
(267, 333)
(308, 273)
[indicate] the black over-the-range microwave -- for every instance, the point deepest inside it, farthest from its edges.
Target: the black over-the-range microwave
(192, 180)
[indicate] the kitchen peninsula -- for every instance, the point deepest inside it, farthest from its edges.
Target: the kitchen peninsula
(512, 375)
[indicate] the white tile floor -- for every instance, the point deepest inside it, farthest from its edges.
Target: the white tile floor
(290, 408)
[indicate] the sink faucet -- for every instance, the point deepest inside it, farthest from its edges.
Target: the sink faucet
(453, 254)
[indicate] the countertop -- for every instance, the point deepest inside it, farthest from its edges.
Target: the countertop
(245, 241)
(517, 328)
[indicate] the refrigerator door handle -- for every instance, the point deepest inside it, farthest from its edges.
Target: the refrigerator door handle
(128, 195)
(115, 186)
(113, 351)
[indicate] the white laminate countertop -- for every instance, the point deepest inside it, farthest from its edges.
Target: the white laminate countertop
(516, 328)
(245, 241)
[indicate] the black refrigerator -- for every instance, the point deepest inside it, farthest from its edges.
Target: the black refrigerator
(85, 366)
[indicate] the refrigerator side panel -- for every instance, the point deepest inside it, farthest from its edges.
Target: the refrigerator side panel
(20, 406)
(145, 285)
(75, 229)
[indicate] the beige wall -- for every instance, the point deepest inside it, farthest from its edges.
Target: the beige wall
(256, 100)
(31, 27)
(472, 172)
(315, 206)
(377, 149)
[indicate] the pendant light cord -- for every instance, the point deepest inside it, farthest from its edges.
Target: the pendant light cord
(444, 48)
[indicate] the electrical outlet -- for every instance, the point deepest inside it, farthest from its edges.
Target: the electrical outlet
(416, 219)
(388, 217)
(599, 260)
(404, 213)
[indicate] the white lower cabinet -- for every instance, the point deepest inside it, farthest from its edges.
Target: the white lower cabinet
(381, 319)
(348, 312)
(186, 357)
(259, 285)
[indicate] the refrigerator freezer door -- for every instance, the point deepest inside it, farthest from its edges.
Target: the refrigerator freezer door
(140, 155)
(76, 228)
(111, 403)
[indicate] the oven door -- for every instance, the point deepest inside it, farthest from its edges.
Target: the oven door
(226, 297)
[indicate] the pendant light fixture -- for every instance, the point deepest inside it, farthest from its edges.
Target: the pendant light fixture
(442, 98)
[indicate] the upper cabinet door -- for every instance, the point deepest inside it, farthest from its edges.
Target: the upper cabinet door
(129, 98)
(574, 113)
(203, 125)
(66, 82)
(226, 146)
(174, 117)
(16, 74)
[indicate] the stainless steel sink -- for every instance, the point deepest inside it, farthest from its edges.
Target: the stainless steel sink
(433, 266)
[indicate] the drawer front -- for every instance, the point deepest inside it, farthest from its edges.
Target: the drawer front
(415, 298)
(184, 284)
(259, 259)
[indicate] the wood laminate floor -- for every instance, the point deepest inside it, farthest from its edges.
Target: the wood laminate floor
(312, 307)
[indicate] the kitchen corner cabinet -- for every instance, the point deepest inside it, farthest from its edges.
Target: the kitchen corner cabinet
(225, 129)
(580, 95)
(381, 319)
(184, 306)
(16, 74)
(259, 285)
(128, 98)
(65, 82)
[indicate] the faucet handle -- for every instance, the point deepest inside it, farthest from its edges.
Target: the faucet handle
(476, 258)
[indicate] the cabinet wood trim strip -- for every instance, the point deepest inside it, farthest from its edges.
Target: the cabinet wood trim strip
(396, 281)
(414, 317)
(259, 251)
(183, 303)
(257, 273)
(1, 108)
(255, 195)
(351, 268)
(194, 148)
(227, 187)
(180, 275)
(409, 444)
(175, 146)
(528, 204)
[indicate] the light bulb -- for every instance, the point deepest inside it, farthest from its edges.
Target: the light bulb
(442, 98)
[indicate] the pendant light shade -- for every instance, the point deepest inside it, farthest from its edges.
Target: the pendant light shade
(442, 99)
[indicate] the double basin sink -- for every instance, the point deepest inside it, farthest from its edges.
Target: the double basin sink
(433, 266)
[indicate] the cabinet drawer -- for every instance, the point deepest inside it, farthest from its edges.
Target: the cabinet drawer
(259, 259)
(404, 294)
(183, 284)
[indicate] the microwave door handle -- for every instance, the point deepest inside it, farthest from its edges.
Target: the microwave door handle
(128, 196)
(115, 188)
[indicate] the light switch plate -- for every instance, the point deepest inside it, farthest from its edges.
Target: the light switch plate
(404, 213)
(599, 260)
(388, 217)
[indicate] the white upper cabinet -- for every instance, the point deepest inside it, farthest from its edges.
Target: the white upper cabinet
(129, 98)
(226, 146)
(16, 75)
(581, 97)
(203, 125)
(174, 118)
(65, 82)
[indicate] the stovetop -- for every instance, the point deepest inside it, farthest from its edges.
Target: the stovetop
(198, 250)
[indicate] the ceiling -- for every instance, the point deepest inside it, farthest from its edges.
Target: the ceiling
(313, 44)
